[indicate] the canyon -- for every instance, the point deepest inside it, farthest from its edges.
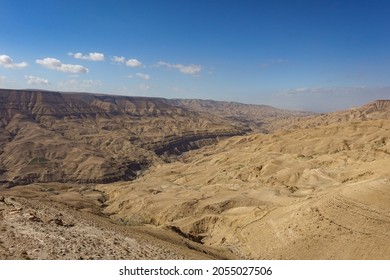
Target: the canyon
(190, 179)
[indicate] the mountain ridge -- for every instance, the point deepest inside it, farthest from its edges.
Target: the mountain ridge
(81, 137)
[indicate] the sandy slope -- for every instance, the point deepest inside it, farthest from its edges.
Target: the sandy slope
(319, 193)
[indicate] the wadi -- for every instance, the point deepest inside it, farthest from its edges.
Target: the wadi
(99, 176)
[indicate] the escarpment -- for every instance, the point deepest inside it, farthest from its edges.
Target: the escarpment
(174, 145)
(94, 138)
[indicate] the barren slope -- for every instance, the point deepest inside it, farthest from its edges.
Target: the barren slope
(315, 193)
(259, 118)
(52, 136)
(317, 189)
(94, 138)
(54, 221)
(377, 110)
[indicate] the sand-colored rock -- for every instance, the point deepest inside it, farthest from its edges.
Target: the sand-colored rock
(301, 194)
(108, 177)
(73, 137)
(60, 221)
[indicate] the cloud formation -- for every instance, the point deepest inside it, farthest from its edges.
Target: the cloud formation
(56, 64)
(95, 56)
(190, 69)
(133, 63)
(143, 76)
(8, 62)
(118, 59)
(33, 80)
(2, 79)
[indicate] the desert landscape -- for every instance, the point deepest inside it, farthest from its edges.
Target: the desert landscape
(95, 176)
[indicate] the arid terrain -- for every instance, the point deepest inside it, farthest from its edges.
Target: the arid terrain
(87, 176)
(86, 138)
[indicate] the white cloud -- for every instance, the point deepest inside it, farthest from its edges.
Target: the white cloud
(2, 79)
(133, 63)
(144, 87)
(91, 56)
(7, 62)
(55, 64)
(143, 76)
(118, 59)
(190, 69)
(33, 80)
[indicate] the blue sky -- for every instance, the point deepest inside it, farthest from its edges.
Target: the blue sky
(310, 55)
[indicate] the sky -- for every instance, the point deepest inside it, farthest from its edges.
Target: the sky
(304, 55)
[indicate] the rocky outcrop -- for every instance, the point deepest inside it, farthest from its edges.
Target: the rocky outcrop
(379, 109)
(174, 145)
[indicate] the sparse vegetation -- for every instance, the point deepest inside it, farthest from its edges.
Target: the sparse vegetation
(38, 160)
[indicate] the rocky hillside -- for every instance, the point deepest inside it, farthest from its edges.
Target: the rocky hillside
(58, 221)
(259, 118)
(376, 110)
(312, 185)
(299, 194)
(87, 138)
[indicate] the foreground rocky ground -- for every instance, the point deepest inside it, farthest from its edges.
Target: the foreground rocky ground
(33, 225)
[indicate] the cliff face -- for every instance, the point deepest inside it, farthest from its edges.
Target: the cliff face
(77, 137)
(56, 104)
(382, 104)
(80, 137)
(379, 109)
